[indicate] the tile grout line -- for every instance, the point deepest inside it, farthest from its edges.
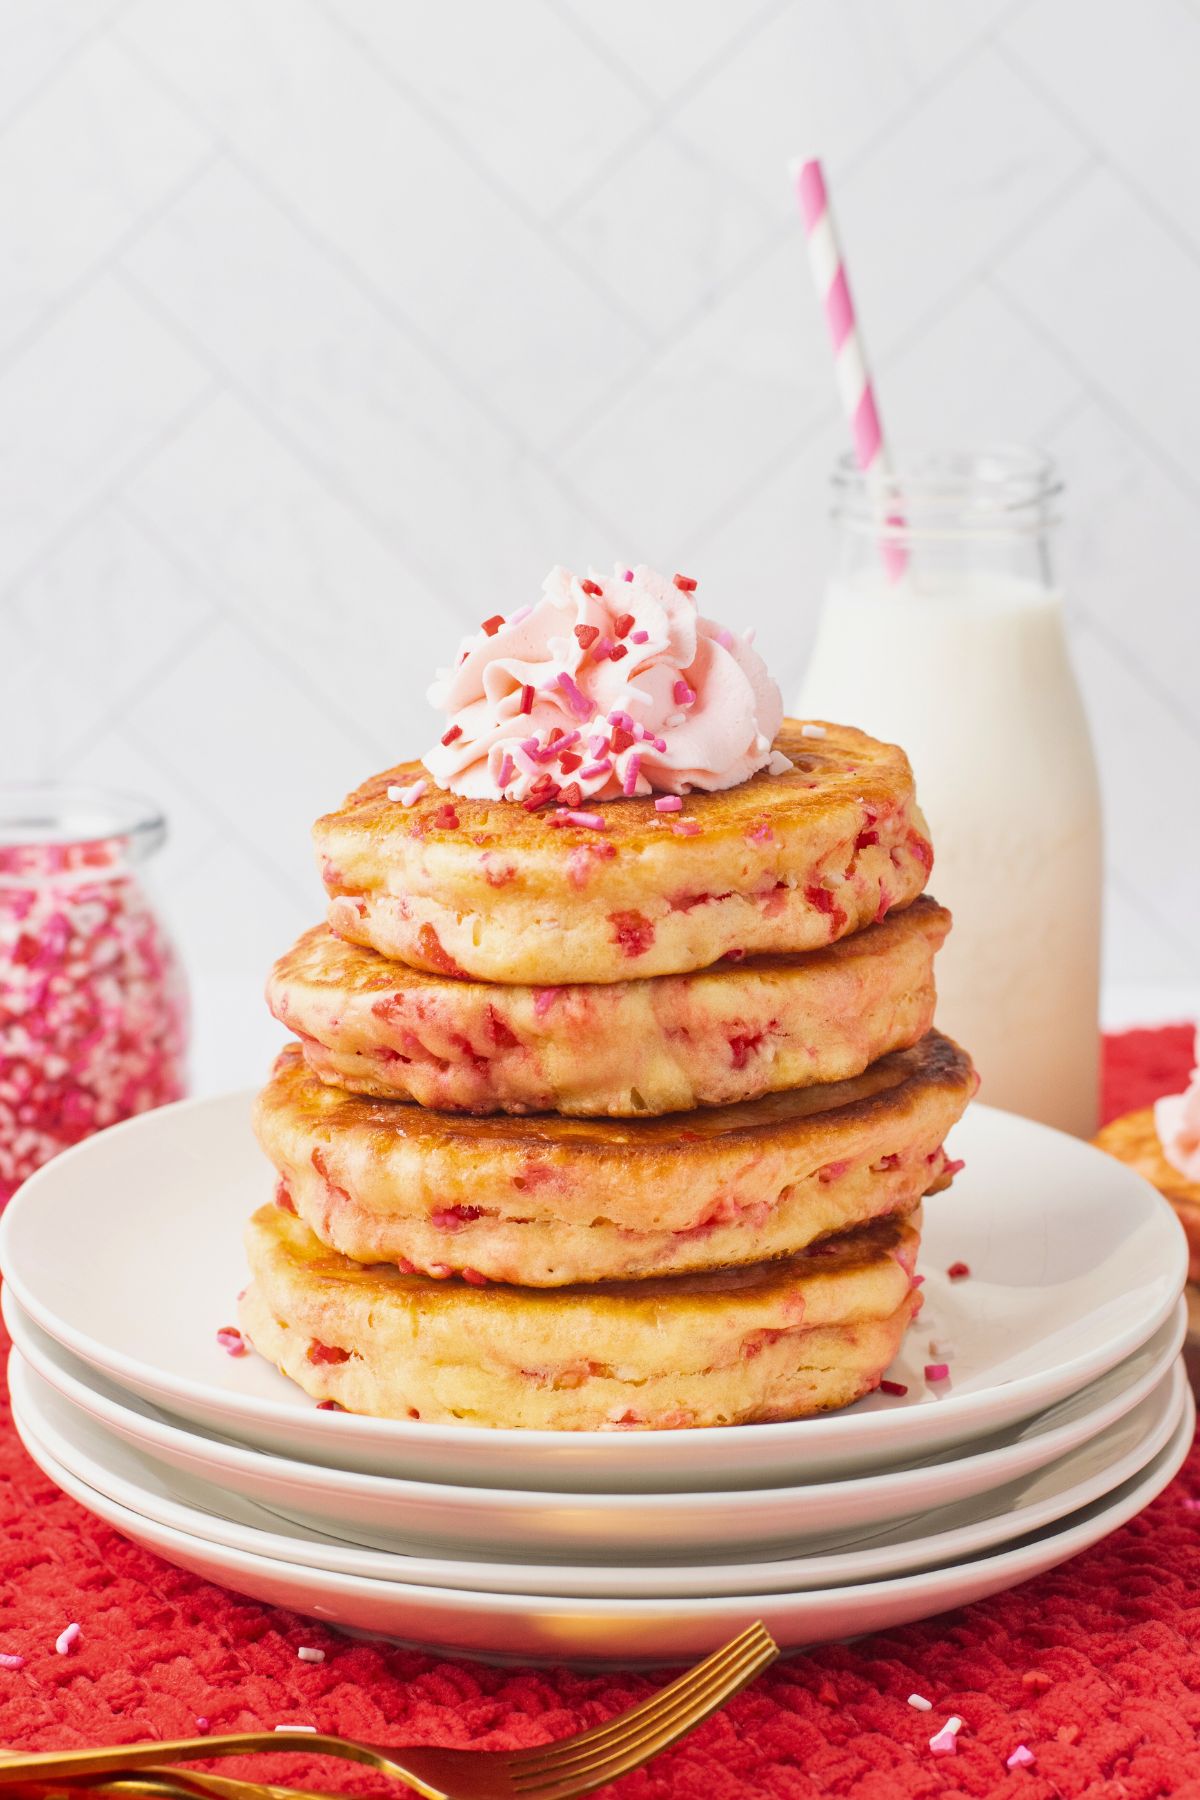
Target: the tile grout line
(85, 42)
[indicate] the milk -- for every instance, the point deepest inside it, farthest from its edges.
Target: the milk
(969, 672)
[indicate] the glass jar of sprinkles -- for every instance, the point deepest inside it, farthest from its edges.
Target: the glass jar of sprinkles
(93, 1008)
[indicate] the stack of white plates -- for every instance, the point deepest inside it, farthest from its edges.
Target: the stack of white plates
(1066, 1413)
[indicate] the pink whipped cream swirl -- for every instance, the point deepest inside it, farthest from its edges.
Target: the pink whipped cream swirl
(1177, 1121)
(605, 687)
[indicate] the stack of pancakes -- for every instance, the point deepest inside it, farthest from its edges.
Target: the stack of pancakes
(615, 1124)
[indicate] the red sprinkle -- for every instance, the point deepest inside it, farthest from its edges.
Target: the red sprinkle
(591, 587)
(893, 1387)
(455, 731)
(587, 635)
(617, 653)
(569, 760)
(957, 1271)
(621, 739)
(685, 584)
(491, 626)
(326, 1353)
(527, 698)
(570, 796)
(624, 624)
(326, 1406)
(446, 818)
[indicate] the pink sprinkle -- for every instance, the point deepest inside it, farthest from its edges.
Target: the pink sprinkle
(231, 1341)
(918, 1281)
(944, 1742)
(660, 744)
(589, 820)
(937, 1371)
(639, 637)
(668, 803)
(602, 650)
(504, 773)
(892, 1387)
(408, 796)
(960, 1270)
(1190, 1503)
(682, 693)
(628, 575)
(685, 827)
(579, 703)
(592, 769)
(622, 720)
(12, 1662)
(66, 1640)
(1021, 1758)
(598, 743)
(633, 769)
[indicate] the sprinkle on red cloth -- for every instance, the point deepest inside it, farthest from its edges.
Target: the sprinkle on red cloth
(1096, 1666)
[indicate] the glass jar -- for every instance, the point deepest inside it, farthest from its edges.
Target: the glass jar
(942, 631)
(93, 1012)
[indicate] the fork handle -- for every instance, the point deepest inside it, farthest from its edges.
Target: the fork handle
(54, 1765)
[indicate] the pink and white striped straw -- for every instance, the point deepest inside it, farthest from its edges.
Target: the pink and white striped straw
(850, 360)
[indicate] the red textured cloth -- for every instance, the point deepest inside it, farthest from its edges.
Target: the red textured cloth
(1096, 1666)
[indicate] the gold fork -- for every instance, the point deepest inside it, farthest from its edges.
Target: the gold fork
(557, 1771)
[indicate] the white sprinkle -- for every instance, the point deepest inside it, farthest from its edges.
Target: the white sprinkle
(66, 1640)
(920, 1702)
(408, 796)
(294, 1728)
(817, 731)
(309, 1655)
(942, 1347)
(778, 763)
(1021, 1758)
(943, 1742)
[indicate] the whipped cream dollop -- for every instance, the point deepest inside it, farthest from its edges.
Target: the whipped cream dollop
(1177, 1121)
(606, 686)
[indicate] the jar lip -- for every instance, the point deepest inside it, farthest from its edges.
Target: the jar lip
(34, 814)
(971, 487)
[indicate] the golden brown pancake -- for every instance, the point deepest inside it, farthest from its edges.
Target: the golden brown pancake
(777, 1342)
(480, 888)
(710, 1038)
(544, 1201)
(1133, 1139)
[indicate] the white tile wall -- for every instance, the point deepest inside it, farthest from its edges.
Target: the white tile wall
(326, 327)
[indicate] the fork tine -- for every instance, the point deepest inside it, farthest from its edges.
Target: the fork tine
(683, 1684)
(619, 1757)
(672, 1711)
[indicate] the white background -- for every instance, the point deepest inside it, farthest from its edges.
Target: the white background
(326, 328)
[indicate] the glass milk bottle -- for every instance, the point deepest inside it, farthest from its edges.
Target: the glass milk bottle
(943, 632)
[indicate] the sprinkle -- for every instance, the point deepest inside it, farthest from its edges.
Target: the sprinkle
(957, 1271)
(66, 1640)
(813, 731)
(950, 1167)
(203, 1725)
(504, 773)
(579, 703)
(526, 705)
(898, 1388)
(598, 743)
(592, 769)
(623, 624)
(944, 1742)
(628, 575)
(1067, 1734)
(660, 744)
(633, 769)
(616, 654)
(569, 760)
(587, 635)
(1190, 1504)
(589, 820)
(685, 584)
(306, 1654)
(330, 1406)
(639, 637)
(918, 1281)
(449, 736)
(592, 587)
(920, 1702)
(293, 1728)
(570, 796)
(942, 1347)
(521, 614)
(1021, 1758)
(408, 796)
(1037, 1679)
(688, 828)
(668, 803)
(827, 1694)
(446, 819)
(682, 694)
(12, 1662)
(602, 650)
(938, 1371)
(231, 1341)
(491, 626)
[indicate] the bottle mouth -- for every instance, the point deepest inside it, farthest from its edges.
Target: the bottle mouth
(985, 490)
(42, 816)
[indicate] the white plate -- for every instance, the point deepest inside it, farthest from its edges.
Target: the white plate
(540, 1627)
(421, 1518)
(946, 1534)
(127, 1249)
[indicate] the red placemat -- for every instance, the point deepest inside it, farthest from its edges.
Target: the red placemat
(1096, 1666)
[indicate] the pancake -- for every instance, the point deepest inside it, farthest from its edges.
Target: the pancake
(480, 888)
(776, 1342)
(1133, 1139)
(544, 1201)
(710, 1038)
